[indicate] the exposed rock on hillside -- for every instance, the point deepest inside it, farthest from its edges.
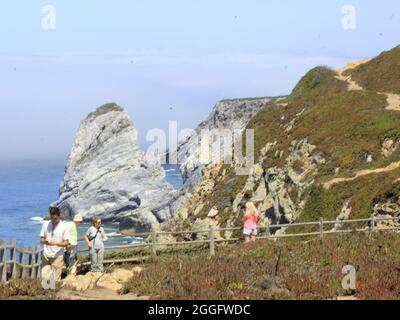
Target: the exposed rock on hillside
(227, 114)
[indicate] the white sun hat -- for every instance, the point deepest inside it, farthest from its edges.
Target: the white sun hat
(78, 218)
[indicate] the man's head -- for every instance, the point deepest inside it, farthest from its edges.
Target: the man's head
(55, 215)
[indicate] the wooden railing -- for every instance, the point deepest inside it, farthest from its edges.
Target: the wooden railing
(22, 263)
(18, 262)
(151, 238)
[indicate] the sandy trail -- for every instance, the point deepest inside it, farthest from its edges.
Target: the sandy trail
(392, 166)
(96, 294)
(393, 101)
(352, 85)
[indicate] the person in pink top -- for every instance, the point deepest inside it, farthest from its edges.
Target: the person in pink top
(250, 219)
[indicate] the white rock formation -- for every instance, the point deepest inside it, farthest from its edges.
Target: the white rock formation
(227, 114)
(108, 175)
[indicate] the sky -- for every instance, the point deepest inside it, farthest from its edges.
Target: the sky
(165, 60)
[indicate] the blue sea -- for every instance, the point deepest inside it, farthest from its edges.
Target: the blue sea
(27, 189)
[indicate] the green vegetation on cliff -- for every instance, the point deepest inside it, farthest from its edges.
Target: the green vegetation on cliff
(348, 129)
(381, 74)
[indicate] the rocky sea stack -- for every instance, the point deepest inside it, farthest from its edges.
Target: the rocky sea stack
(108, 175)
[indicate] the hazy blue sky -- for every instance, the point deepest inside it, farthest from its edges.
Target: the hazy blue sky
(149, 56)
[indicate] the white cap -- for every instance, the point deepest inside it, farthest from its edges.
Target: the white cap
(78, 218)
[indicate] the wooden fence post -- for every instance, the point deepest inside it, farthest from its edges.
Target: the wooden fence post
(373, 222)
(31, 261)
(321, 228)
(212, 240)
(3, 261)
(34, 262)
(268, 231)
(39, 262)
(13, 256)
(21, 260)
(154, 242)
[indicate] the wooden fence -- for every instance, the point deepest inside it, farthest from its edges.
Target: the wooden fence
(22, 263)
(338, 227)
(18, 262)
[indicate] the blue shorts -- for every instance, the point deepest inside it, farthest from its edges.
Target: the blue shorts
(249, 232)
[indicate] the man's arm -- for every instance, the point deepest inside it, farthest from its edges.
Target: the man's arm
(63, 244)
(103, 234)
(88, 242)
(43, 234)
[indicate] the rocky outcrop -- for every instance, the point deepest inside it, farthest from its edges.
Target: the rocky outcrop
(389, 146)
(108, 175)
(113, 281)
(228, 118)
(343, 216)
(278, 191)
(388, 209)
(227, 114)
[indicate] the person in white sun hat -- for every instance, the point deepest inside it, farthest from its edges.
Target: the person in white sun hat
(71, 254)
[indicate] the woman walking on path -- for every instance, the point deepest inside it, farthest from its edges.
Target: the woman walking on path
(95, 238)
(250, 219)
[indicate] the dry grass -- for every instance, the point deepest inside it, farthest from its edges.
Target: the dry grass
(306, 270)
(25, 290)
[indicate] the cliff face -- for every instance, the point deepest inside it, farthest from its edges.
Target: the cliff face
(107, 174)
(227, 114)
(329, 150)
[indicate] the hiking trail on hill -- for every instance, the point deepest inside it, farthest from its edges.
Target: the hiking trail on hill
(393, 103)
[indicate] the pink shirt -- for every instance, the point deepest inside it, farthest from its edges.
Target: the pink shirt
(250, 221)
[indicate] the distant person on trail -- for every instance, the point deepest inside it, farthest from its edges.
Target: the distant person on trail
(71, 253)
(250, 219)
(95, 238)
(54, 238)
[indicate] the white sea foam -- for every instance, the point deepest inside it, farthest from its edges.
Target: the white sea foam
(113, 234)
(37, 220)
(137, 240)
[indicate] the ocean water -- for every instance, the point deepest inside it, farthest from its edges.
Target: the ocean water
(27, 189)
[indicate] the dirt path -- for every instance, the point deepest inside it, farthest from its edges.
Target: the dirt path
(352, 85)
(393, 101)
(346, 298)
(392, 166)
(96, 294)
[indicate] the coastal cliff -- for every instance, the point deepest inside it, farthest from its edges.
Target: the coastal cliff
(328, 150)
(233, 114)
